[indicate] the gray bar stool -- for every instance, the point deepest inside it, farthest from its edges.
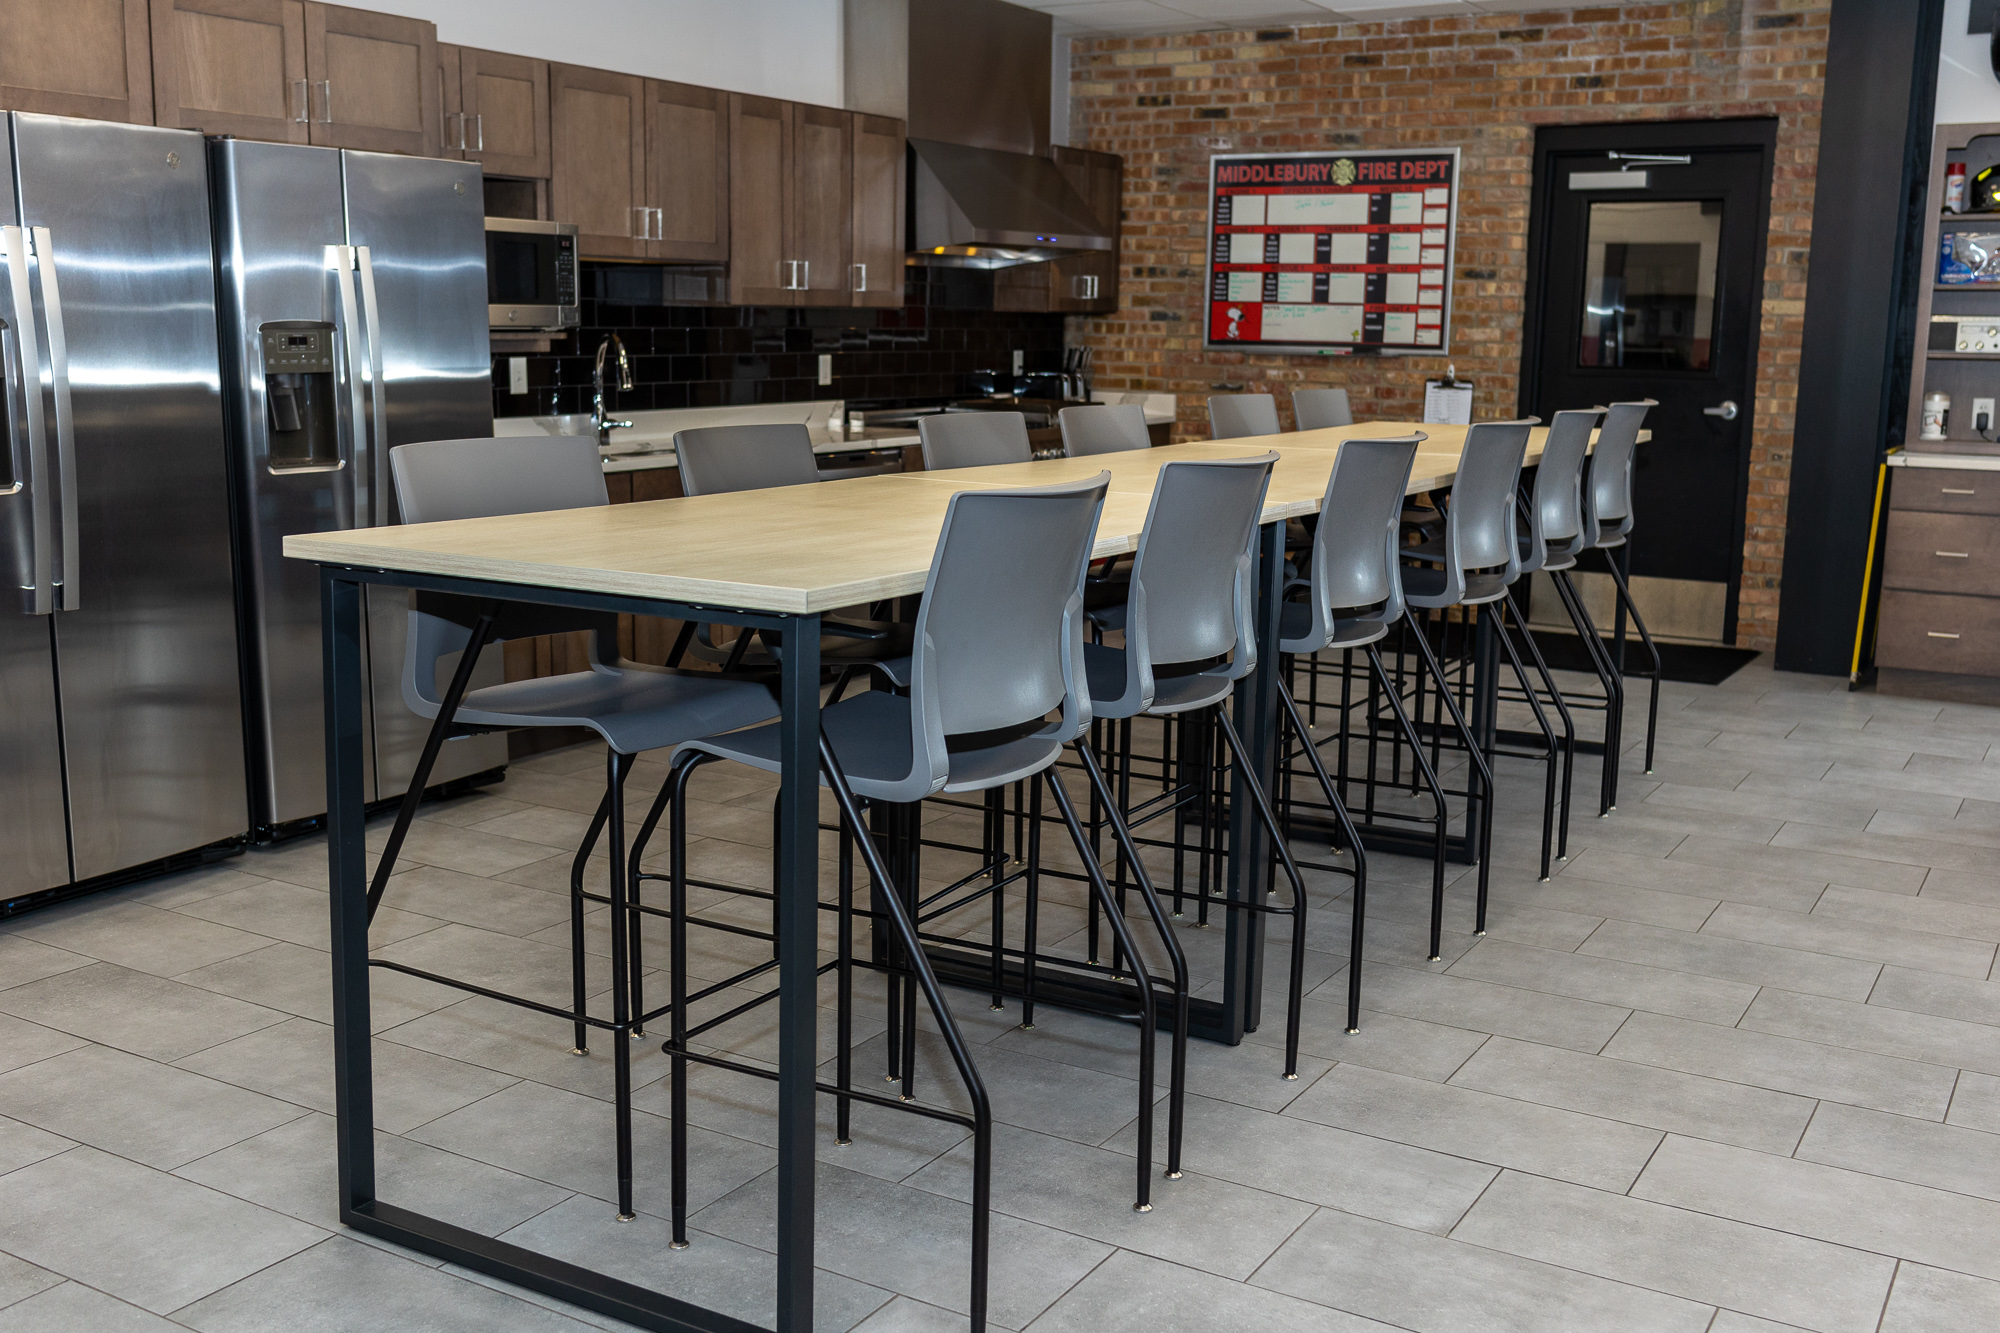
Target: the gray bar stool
(1607, 520)
(1237, 415)
(1317, 409)
(999, 648)
(1352, 596)
(1108, 428)
(632, 707)
(973, 439)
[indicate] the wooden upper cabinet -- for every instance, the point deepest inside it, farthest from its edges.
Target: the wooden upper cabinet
(822, 228)
(1088, 283)
(231, 67)
(762, 263)
(598, 122)
(371, 82)
(687, 172)
(505, 104)
(90, 58)
(876, 269)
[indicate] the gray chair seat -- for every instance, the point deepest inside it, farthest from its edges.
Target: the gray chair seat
(1365, 625)
(1423, 586)
(632, 708)
(1106, 669)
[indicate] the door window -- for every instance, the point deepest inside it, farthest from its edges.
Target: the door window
(1649, 284)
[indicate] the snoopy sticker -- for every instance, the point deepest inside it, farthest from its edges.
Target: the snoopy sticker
(1235, 329)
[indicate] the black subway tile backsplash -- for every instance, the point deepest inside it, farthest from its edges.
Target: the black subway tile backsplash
(705, 355)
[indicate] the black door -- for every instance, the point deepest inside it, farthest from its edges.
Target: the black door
(1646, 255)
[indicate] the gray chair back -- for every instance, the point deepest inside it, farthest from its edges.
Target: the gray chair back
(1236, 415)
(1353, 566)
(1481, 529)
(1608, 499)
(439, 480)
(1109, 428)
(1555, 514)
(714, 459)
(973, 439)
(1317, 409)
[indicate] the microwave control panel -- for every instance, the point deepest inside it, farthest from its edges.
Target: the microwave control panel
(566, 270)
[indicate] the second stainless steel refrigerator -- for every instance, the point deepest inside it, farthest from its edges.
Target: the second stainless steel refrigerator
(352, 304)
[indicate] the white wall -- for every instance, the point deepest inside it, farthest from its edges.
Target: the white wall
(1967, 92)
(775, 48)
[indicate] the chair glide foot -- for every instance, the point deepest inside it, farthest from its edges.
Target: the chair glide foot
(1291, 1078)
(1354, 1032)
(579, 1050)
(1142, 1207)
(1175, 1175)
(677, 1245)
(628, 1217)
(842, 1143)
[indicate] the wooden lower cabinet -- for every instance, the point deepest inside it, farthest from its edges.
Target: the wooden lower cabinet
(1938, 631)
(88, 58)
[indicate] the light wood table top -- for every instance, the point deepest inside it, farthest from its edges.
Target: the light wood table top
(807, 549)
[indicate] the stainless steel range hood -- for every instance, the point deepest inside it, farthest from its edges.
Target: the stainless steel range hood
(989, 209)
(983, 191)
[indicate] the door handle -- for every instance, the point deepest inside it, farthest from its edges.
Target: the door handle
(791, 283)
(1959, 490)
(70, 579)
(378, 390)
(340, 259)
(40, 596)
(1726, 410)
(1937, 634)
(1954, 555)
(861, 277)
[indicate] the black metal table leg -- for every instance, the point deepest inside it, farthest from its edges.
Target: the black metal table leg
(797, 887)
(347, 884)
(1256, 705)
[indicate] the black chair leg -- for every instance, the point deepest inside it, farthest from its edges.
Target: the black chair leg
(1551, 751)
(1241, 758)
(578, 983)
(843, 1077)
(1484, 772)
(1353, 839)
(1563, 714)
(1440, 817)
(616, 767)
(1652, 650)
(1608, 680)
(677, 1024)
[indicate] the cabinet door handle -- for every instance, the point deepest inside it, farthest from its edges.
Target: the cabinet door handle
(636, 228)
(861, 277)
(326, 101)
(301, 102)
(1954, 555)
(1954, 490)
(478, 132)
(805, 275)
(1939, 634)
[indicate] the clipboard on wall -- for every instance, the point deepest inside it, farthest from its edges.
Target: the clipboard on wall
(1448, 401)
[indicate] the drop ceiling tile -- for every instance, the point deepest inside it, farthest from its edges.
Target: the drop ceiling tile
(1383, 11)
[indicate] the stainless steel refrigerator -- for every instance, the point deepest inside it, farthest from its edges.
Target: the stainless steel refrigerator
(121, 737)
(353, 319)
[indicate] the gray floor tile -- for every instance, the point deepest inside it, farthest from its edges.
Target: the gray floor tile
(1321, 1164)
(1975, 1103)
(1959, 887)
(1663, 1099)
(1937, 916)
(191, 886)
(714, 1271)
(138, 1234)
(1921, 1152)
(22, 1143)
(1481, 1006)
(559, 830)
(1621, 902)
(1734, 960)
(1708, 1259)
(145, 939)
(565, 1139)
(70, 1307)
(149, 1112)
(1730, 1321)
(1386, 1041)
(1949, 1042)
(537, 971)
(291, 912)
(1500, 1130)
(909, 1240)
(474, 853)
(314, 1292)
(1736, 885)
(1892, 857)
(1799, 857)
(1611, 981)
(23, 1043)
(135, 1011)
(1130, 1293)
(1785, 1064)
(1434, 1285)
(527, 1044)
(294, 1060)
(473, 900)
(903, 1315)
(291, 1169)
(23, 960)
(1827, 1203)
(1870, 793)
(299, 981)
(1852, 939)
(1823, 808)
(20, 1279)
(1927, 1300)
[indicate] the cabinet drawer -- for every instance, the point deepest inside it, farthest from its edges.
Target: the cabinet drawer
(1934, 632)
(1943, 553)
(1946, 490)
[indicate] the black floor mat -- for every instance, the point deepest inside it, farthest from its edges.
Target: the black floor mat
(1694, 663)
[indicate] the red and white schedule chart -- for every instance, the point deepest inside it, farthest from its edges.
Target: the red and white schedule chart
(1332, 252)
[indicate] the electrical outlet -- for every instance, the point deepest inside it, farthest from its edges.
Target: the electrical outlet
(826, 368)
(1982, 411)
(1020, 362)
(517, 374)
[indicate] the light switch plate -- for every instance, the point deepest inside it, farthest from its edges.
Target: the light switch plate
(1020, 362)
(517, 374)
(826, 368)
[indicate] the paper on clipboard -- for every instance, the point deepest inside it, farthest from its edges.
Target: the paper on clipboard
(1448, 403)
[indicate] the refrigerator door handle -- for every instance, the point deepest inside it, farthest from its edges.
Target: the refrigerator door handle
(378, 393)
(340, 259)
(39, 593)
(71, 579)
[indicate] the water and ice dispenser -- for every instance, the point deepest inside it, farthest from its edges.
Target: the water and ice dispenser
(299, 395)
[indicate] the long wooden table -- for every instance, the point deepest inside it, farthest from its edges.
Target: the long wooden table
(774, 560)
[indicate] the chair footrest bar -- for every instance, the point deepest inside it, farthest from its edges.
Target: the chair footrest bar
(566, 1015)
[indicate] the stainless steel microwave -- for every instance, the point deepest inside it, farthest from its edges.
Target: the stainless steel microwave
(530, 274)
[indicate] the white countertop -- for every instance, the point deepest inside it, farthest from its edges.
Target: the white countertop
(1966, 462)
(649, 442)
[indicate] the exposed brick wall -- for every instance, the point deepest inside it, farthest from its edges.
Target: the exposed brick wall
(1481, 83)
